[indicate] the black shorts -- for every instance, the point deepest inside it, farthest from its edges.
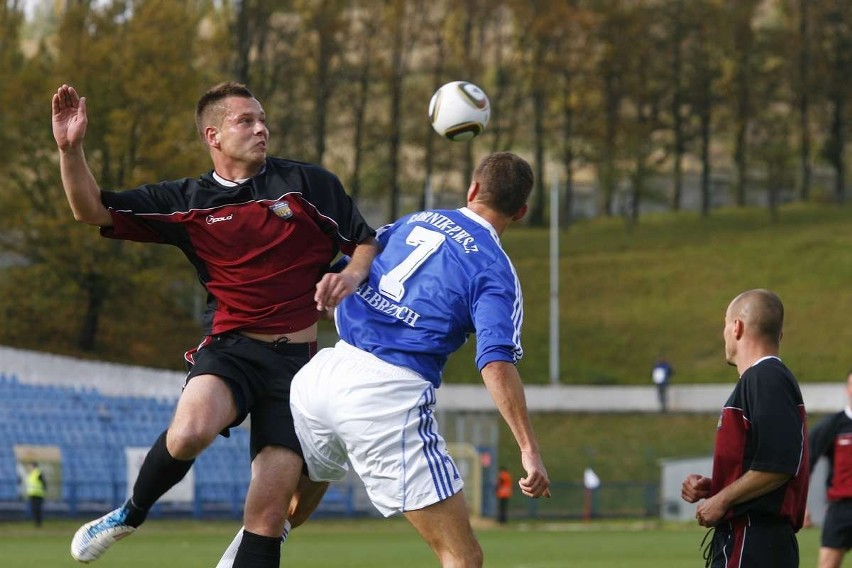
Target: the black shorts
(259, 375)
(837, 526)
(748, 542)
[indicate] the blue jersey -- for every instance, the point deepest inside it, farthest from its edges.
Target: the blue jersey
(440, 276)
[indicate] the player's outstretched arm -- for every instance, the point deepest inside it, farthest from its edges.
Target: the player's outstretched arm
(69, 120)
(503, 382)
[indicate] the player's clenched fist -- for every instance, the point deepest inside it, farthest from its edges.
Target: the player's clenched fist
(695, 487)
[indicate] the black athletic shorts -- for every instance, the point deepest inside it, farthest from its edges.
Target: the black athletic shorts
(750, 542)
(837, 526)
(259, 375)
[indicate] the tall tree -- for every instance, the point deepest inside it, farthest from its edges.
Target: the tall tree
(325, 20)
(675, 11)
(611, 71)
(361, 65)
(140, 126)
(396, 77)
(804, 88)
(703, 96)
(834, 45)
(742, 14)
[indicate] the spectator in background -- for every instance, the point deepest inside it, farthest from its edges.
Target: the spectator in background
(832, 438)
(661, 374)
(35, 488)
(504, 494)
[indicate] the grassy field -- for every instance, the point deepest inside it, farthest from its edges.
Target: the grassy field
(382, 543)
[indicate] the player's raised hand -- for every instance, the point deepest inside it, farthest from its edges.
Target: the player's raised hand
(68, 117)
(536, 483)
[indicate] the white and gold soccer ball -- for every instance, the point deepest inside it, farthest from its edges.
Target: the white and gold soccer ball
(459, 111)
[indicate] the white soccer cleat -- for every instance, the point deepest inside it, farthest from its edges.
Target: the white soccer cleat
(94, 538)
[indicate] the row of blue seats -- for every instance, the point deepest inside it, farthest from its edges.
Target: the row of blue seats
(92, 431)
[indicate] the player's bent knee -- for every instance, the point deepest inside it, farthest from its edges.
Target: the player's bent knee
(187, 443)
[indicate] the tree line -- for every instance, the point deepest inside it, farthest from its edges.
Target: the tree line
(625, 99)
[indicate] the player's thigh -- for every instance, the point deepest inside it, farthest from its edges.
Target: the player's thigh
(831, 557)
(445, 526)
(205, 407)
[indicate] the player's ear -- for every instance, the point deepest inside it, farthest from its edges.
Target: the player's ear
(739, 328)
(211, 136)
(520, 214)
(472, 191)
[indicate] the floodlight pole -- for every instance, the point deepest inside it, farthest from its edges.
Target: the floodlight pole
(554, 281)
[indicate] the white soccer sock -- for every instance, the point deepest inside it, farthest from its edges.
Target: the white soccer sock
(227, 560)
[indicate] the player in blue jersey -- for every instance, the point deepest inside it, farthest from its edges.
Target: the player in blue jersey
(440, 276)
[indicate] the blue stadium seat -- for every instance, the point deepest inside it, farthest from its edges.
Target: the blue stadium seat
(92, 431)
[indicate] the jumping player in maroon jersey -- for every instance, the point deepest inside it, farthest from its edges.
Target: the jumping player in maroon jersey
(756, 498)
(261, 232)
(832, 438)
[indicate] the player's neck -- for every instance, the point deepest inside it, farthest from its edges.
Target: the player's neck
(236, 170)
(748, 358)
(496, 220)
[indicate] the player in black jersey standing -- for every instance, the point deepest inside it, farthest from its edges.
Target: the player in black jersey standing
(261, 232)
(832, 438)
(756, 497)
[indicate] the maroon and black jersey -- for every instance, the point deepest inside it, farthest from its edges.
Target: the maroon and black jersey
(259, 247)
(763, 427)
(832, 438)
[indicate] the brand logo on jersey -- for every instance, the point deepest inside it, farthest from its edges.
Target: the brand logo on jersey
(281, 209)
(719, 423)
(844, 441)
(213, 219)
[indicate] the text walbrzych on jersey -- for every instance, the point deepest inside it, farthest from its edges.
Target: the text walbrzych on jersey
(382, 304)
(448, 226)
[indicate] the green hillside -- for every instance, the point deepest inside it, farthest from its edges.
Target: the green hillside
(663, 286)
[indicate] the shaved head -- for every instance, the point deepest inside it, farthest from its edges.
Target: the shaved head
(762, 313)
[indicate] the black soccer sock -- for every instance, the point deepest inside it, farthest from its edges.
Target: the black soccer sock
(159, 473)
(258, 551)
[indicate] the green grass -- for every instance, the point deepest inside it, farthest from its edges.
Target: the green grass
(620, 447)
(627, 295)
(382, 543)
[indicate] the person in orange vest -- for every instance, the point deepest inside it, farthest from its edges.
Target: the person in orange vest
(504, 493)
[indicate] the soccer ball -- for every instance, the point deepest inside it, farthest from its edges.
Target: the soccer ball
(459, 111)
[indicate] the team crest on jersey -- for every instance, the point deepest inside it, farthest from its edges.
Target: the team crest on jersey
(282, 209)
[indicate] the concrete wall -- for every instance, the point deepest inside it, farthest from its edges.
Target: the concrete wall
(121, 380)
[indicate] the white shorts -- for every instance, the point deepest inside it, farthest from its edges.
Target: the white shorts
(349, 405)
